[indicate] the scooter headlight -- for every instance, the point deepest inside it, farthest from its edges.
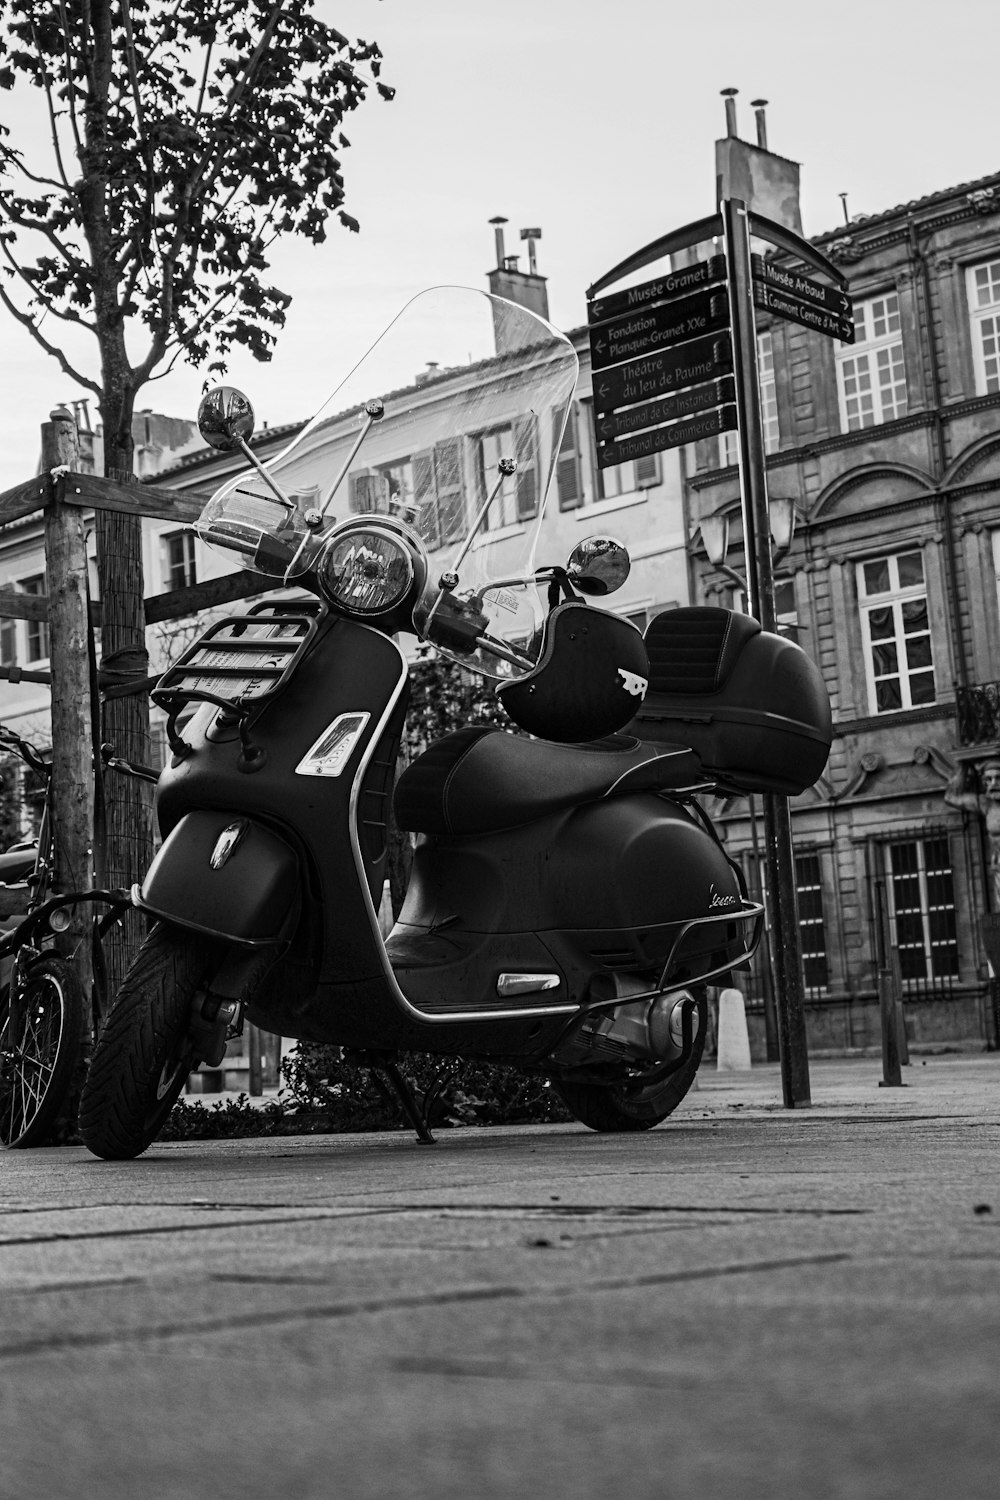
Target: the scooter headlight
(366, 572)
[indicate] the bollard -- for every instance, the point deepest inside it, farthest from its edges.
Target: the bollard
(734, 1038)
(888, 1008)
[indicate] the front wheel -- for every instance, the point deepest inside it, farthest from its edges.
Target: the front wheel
(631, 1104)
(146, 1049)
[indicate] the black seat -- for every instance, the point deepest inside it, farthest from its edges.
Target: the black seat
(481, 780)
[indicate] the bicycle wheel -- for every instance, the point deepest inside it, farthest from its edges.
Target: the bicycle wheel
(41, 1031)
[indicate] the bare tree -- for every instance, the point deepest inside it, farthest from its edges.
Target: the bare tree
(183, 137)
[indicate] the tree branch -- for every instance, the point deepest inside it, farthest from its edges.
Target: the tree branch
(53, 349)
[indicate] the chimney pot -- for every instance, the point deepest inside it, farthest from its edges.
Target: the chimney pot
(498, 224)
(730, 97)
(759, 106)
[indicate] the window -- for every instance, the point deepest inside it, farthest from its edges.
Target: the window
(729, 442)
(896, 627)
(517, 498)
(177, 560)
(871, 376)
(983, 284)
(438, 492)
(768, 394)
(386, 491)
(569, 477)
(625, 479)
(812, 933)
(922, 907)
(786, 611)
(37, 632)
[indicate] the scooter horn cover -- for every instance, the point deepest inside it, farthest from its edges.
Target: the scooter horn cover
(590, 679)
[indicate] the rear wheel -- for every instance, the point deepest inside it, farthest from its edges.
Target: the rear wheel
(146, 1050)
(41, 1032)
(631, 1104)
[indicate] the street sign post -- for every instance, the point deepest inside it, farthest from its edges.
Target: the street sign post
(687, 279)
(657, 327)
(685, 403)
(657, 439)
(832, 298)
(671, 370)
(797, 310)
(660, 380)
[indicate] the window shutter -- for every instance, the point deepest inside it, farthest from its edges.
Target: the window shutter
(8, 643)
(526, 451)
(448, 484)
(425, 499)
(569, 483)
(647, 472)
(362, 493)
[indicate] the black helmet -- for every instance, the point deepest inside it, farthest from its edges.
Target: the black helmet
(590, 678)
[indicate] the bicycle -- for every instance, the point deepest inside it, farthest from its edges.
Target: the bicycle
(45, 1017)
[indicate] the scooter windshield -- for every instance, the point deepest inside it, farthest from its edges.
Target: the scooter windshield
(421, 432)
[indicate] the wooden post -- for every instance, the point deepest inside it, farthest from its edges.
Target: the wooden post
(255, 1082)
(72, 737)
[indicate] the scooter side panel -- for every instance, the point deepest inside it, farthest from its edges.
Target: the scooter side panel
(228, 877)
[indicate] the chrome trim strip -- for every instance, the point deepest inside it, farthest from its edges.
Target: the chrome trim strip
(400, 997)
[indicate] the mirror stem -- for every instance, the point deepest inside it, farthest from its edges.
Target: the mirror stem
(262, 469)
(374, 410)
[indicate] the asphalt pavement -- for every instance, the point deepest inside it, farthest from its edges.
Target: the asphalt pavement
(749, 1301)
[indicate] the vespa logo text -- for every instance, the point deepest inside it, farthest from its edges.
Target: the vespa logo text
(716, 899)
(632, 683)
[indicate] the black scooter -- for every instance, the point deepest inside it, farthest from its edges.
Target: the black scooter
(569, 898)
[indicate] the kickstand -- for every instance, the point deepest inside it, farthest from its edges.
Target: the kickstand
(416, 1116)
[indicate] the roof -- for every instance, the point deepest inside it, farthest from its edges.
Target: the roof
(864, 221)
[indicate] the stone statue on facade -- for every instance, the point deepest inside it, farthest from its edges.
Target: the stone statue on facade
(983, 799)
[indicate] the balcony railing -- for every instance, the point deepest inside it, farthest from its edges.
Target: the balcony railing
(978, 713)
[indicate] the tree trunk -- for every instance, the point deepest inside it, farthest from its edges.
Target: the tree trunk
(125, 720)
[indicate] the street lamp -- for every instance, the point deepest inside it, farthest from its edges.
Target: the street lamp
(715, 534)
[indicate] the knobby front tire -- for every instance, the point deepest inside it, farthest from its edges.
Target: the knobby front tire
(629, 1106)
(40, 1039)
(145, 1051)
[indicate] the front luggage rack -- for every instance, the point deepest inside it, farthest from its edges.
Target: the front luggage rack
(237, 664)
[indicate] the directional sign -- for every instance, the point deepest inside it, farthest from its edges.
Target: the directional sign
(688, 279)
(791, 282)
(709, 424)
(670, 370)
(634, 419)
(769, 299)
(657, 328)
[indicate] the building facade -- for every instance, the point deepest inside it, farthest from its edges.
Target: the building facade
(890, 449)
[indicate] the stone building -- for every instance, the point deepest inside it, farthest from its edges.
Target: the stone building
(890, 450)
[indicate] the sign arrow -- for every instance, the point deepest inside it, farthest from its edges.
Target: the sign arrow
(663, 289)
(768, 299)
(803, 287)
(658, 327)
(708, 424)
(669, 370)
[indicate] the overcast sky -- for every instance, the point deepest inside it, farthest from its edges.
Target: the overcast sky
(595, 122)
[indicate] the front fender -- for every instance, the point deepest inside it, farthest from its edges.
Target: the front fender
(224, 875)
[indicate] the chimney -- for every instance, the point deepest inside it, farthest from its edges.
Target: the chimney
(526, 288)
(766, 182)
